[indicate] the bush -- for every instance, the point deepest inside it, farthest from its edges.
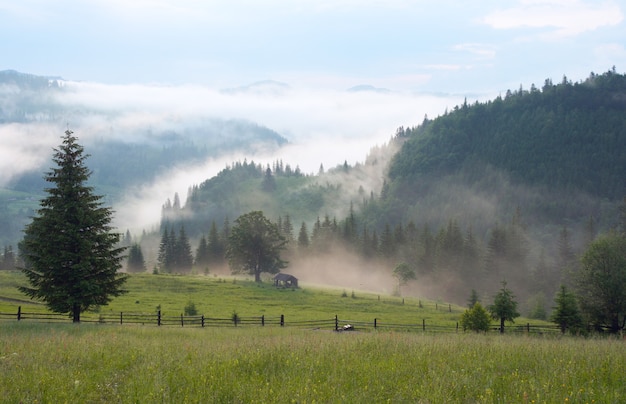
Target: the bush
(476, 319)
(190, 309)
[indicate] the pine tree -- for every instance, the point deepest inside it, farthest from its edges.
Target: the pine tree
(215, 246)
(182, 252)
(164, 257)
(566, 313)
(287, 229)
(71, 258)
(202, 254)
(136, 262)
(566, 258)
(303, 238)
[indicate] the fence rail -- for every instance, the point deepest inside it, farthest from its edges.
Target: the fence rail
(335, 323)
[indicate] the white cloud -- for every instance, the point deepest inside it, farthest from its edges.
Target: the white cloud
(479, 50)
(563, 18)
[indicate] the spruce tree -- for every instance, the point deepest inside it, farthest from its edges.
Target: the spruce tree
(215, 246)
(136, 262)
(182, 248)
(71, 256)
(202, 254)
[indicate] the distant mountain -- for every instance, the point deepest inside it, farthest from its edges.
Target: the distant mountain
(368, 88)
(123, 153)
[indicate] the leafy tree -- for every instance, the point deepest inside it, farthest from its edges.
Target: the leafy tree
(566, 313)
(403, 273)
(136, 262)
(504, 307)
(476, 318)
(254, 246)
(71, 258)
(602, 281)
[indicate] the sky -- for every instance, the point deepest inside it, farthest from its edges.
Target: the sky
(163, 62)
(403, 45)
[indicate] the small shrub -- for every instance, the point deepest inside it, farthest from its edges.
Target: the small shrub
(476, 319)
(344, 294)
(190, 309)
(235, 317)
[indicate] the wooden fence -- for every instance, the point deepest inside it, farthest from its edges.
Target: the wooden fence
(337, 324)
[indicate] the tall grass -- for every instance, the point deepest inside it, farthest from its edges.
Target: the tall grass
(103, 363)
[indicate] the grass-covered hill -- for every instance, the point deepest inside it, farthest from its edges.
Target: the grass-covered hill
(220, 297)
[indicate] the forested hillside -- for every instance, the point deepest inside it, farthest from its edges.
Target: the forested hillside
(511, 189)
(569, 136)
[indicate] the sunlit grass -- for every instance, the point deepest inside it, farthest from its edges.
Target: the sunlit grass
(105, 363)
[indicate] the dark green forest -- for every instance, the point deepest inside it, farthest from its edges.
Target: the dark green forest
(510, 189)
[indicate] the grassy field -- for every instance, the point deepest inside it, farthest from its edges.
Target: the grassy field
(220, 297)
(91, 362)
(110, 363)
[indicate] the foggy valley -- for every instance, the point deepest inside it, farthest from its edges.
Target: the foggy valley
(330, 154)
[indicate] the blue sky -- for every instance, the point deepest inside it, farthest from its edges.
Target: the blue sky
(161, 64)
(444, 46)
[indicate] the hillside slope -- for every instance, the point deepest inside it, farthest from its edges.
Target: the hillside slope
(566, 136)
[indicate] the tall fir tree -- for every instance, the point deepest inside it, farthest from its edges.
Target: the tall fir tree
(182, 252)
(202, 254)
(136, 261)
(71, 255)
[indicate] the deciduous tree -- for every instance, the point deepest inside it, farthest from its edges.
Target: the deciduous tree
(255, 245)
(403, 273)
(476, 318)
(602, 281)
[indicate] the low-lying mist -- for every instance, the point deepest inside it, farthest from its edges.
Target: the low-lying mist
(323, 127)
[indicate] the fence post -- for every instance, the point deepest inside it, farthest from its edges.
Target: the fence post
(436, 306)
(182, 322)
(159, 318)
(19, 313)
(263, 320)
(403, 301)
(282, 320)
(449, 308)
(202, 319)
(375, 324)
(121, 312)
(336, 323)
(457, 326)
(423, 325)
(528, 327)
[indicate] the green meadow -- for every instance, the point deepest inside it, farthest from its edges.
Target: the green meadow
(220, 297)
(110, 363)
(93, 362)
